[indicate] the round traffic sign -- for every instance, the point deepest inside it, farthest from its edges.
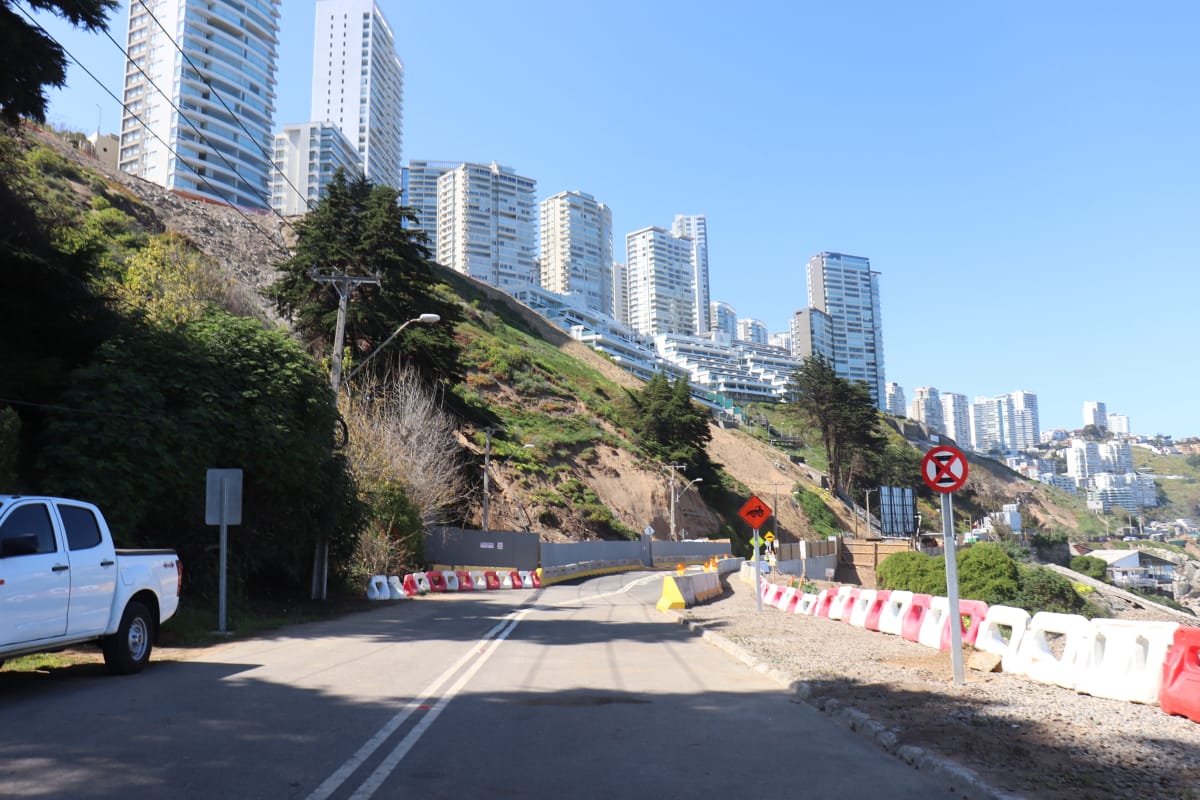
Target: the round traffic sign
(944, 469)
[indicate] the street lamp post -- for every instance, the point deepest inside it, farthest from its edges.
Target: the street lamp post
(427, 319)
(675, 497)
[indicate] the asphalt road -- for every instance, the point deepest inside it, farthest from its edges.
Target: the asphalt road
(583, 691)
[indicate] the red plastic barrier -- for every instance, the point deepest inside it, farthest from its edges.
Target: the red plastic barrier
(493, 580)
(976, 610)
(790, 608)
(825, 598)
(876, 609)
(410, 585)
(437, 581)
(1180, 692)
(516, 579)
(465, 584)
(536, 578)
(771, 595)
(849, 599)
(910, 625)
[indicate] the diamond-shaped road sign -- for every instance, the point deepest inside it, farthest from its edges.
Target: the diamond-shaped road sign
(755, 512)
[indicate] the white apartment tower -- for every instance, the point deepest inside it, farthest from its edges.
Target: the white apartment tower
(723, 318)
(420, 193)
(927, 408)
(894, 399)
(486, 225)
(306, 157)
(956, 417)
(847, 290)
(1094, 413)
(695, 227)
(210, 135)
(576, 249)
(1026, 435)
(812, 334)
(661, 293)
(620, 294)
(358, 84)
(752, 330)
(992, 424)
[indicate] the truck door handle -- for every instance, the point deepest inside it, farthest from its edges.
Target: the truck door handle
(59, 568)
(108, 563)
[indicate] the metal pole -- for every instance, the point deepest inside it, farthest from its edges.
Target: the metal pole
(956, 656)
(672, 491)
(224, 544)
(487, 459)
(757, 574)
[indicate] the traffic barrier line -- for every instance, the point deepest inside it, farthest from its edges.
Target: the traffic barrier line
(845, 596)
(465, 582)
(976, 611)
(862, 606)
(437, 581)
(893, 612)
(1126, 659)
(377, 588)
(935, 623)
(990, 636)
(1035, 657)
(871, 621)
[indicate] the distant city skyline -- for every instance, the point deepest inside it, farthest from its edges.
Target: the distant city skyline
(993, 162)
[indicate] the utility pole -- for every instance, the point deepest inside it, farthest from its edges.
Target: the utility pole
(673, 468)
(869, 527)
(487, 458)
(343, 284)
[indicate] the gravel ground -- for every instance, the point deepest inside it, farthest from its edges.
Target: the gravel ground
(1014, 737)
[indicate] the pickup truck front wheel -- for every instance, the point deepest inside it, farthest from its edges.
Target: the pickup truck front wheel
(128, 650)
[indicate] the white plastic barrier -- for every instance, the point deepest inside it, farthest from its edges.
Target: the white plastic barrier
(771, 593)
(935, 622)
(787, 598)
(377, 589)
(990, 638)
(422, 582)
(479, 581)
(451, 579)
(862, 605)
(891, 618)
(395, 589)
(840, 605)
(526, 578)
(807, 603)
(1126, 659)
(506, 581)
(1036, 658)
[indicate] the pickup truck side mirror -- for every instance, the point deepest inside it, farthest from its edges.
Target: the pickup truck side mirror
(25, 544)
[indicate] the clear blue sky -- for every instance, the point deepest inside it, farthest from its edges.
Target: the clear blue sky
(1024, 175)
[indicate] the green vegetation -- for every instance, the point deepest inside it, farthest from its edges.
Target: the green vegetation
(985, 572)
(819, 516)
(1090, 565)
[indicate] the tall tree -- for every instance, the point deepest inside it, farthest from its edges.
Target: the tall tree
(845, 415)
(31, 60)
(668, 424)
(360, 229)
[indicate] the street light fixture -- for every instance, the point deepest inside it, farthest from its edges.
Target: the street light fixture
(427, 319)
(675, 497)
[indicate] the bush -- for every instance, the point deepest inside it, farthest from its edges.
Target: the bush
(986, 572)
(1091, 566)
(1044, 590)
(912, 571)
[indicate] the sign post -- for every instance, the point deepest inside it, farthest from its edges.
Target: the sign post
(755, 512)
(223, 506)
(944, 469)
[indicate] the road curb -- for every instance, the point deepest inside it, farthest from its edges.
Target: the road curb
(957, 777)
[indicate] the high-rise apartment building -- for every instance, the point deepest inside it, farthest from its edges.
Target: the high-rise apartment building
(576, 249)
(358, 84)
(486, 225)
(992, 424)
(812, 334)
(695, 227)
(419, 192)
(1094, 413)
(956, 417)
(847, 290)
(306, 157)
(200, 97)
(723, 318)
(927, 408)
(1026, 433)
(1118, 423)
(620, 297)
(752, 330)
(661, 294)
(894, 399)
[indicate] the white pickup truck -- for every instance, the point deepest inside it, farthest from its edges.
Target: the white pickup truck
(63, 583)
